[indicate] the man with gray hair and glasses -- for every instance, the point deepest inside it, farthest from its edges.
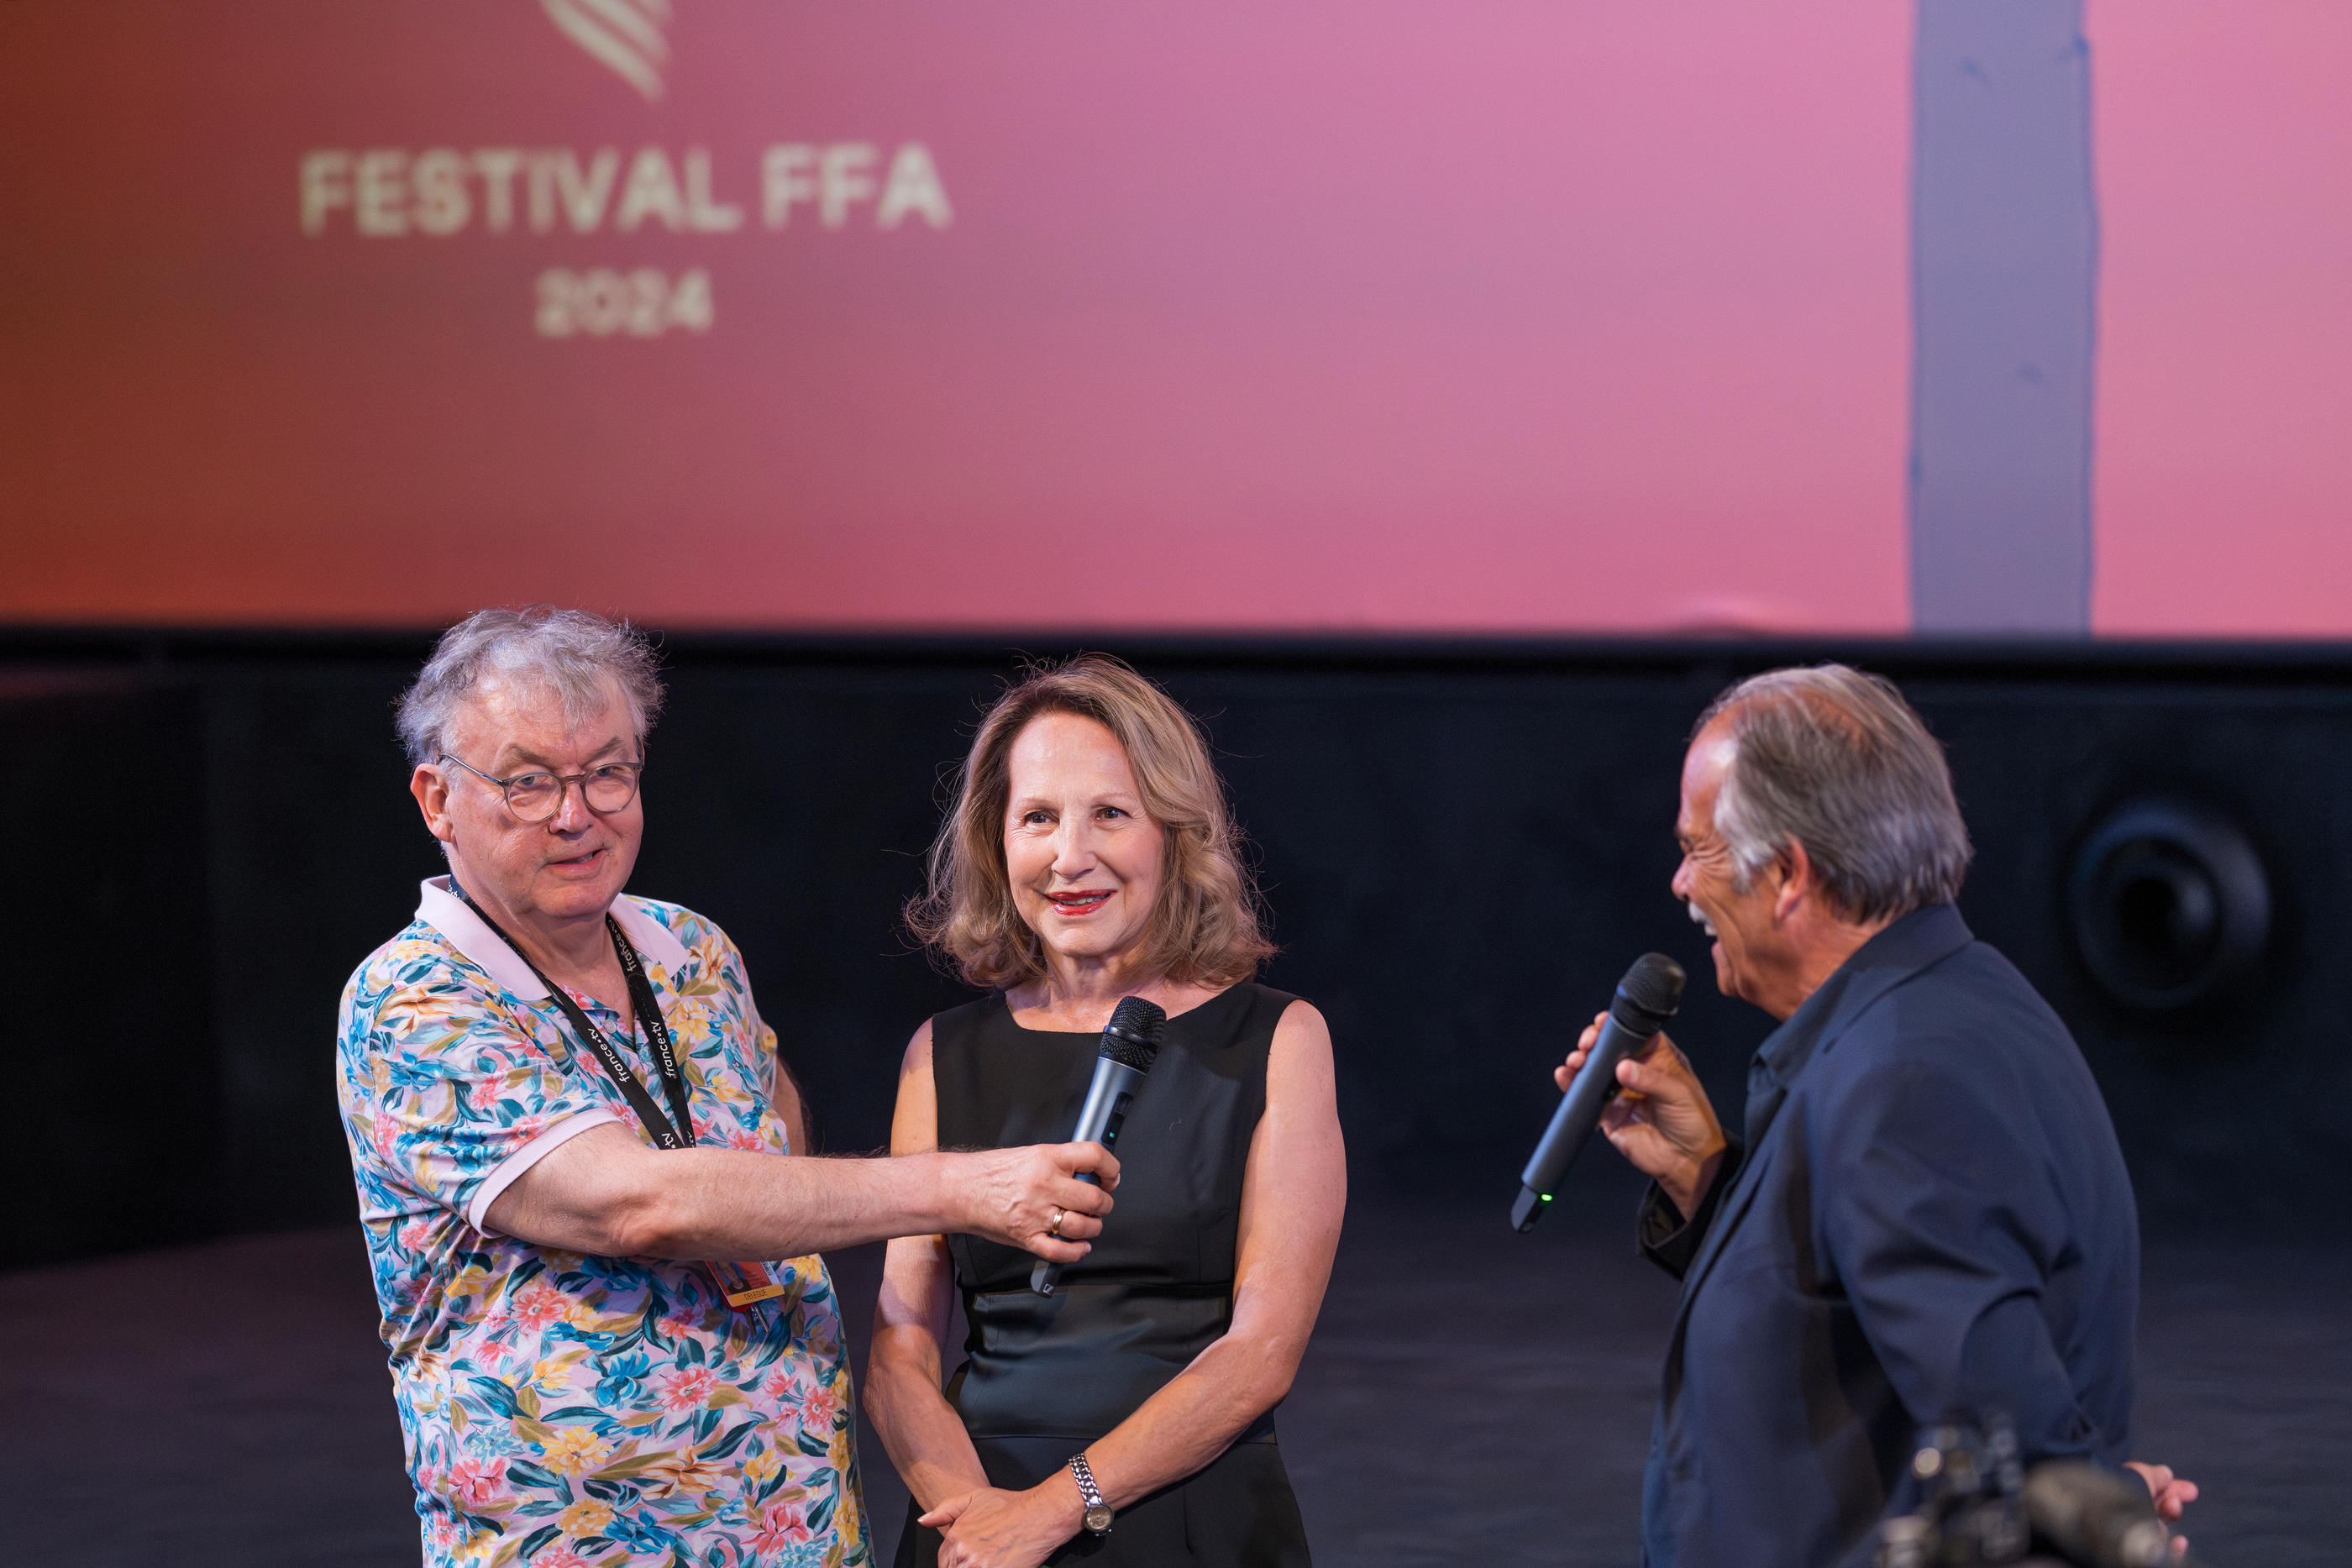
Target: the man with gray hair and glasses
(581, 1164)
(1927, 1214)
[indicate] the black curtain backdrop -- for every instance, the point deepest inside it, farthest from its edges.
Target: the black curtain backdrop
(1464, 845)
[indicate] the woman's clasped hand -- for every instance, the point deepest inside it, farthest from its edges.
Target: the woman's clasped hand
(990, 1528)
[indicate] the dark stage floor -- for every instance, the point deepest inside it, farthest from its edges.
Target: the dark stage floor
(1472, 1398)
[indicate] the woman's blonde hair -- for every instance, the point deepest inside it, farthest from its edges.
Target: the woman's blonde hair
(1206, 928)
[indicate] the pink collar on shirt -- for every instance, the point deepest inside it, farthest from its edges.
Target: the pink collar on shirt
(464, 929)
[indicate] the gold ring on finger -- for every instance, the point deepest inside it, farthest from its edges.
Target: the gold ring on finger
(1055, 1230)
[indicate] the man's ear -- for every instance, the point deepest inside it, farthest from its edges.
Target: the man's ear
(1798, 882)
(432, 792)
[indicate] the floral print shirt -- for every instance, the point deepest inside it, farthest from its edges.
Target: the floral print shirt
(562, 1410)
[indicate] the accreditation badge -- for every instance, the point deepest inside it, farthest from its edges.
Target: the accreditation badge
(744, 1285)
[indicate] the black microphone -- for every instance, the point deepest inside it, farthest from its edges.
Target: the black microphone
(1130, 1042)
(2094, 1517)
(1646, 999)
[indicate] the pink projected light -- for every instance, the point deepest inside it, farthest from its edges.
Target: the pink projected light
(1499, 316)
(2224, 488)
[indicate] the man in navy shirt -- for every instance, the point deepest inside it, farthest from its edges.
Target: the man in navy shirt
(1926, 1212)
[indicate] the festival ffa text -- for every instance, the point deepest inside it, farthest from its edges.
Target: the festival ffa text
(386, 193)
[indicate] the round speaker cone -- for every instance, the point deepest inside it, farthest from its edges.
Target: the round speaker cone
(2170, 905)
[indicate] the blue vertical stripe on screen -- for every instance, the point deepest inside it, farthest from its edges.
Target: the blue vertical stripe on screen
(2004, 292)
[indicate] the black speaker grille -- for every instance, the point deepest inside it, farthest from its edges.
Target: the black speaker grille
(1652, 987)
(1133, 1035)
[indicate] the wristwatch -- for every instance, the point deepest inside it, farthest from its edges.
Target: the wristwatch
(1098, 1512)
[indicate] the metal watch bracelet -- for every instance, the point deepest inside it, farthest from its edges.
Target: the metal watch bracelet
(1097, 1517)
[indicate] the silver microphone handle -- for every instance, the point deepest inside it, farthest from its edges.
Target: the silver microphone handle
(1113, 1086)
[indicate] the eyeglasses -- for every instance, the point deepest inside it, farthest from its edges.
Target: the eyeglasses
(536, 797)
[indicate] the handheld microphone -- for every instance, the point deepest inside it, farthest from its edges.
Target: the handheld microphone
(1130, 1042)
(1646, 999)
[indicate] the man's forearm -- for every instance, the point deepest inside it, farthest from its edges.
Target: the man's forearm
(607, 1193)
(729, 1203)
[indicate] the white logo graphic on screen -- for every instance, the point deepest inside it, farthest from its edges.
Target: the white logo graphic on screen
(625, 36)
(442, 190)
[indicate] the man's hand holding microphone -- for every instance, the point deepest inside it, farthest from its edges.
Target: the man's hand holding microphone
(1659, 1120)
(1031, 1197)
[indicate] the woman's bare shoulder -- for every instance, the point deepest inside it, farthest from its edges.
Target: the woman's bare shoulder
(917, 1057)
(1302, 1026)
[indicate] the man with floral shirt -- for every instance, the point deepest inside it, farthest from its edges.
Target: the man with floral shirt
(568, 1126)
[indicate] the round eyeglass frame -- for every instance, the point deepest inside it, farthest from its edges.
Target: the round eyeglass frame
(632, 771)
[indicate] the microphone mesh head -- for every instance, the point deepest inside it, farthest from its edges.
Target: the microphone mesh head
(1651, 992)
(1132, 1036)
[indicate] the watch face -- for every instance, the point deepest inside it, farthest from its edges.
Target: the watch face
(1097, 1519)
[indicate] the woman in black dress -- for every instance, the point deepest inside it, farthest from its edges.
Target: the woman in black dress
(1089, 857)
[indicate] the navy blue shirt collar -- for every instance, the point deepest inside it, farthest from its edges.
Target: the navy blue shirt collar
(1909, 945)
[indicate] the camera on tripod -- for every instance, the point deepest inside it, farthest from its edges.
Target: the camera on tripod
(1979, 1504)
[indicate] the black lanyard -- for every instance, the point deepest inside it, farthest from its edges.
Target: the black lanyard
(641, 1000)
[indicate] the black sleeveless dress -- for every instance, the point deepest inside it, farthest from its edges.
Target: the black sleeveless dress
(1046, 1375)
